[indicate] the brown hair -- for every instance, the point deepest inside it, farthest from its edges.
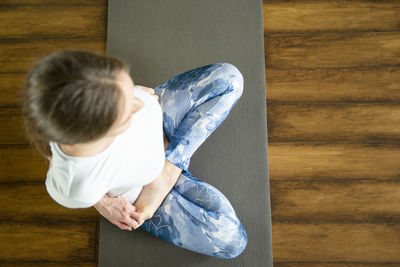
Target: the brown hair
(71, 97)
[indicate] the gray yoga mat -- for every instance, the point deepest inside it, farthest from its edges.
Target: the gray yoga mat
(162, 39)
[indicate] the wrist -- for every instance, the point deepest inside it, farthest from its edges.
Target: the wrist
(103, 201)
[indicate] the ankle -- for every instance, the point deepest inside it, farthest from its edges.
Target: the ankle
(171, 172)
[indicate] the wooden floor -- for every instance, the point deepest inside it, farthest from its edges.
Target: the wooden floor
(333, 98)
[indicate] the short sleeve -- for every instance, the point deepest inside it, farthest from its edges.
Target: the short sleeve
(59, 190)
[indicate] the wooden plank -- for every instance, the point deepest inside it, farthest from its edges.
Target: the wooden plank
(337, 15)
(72, 21)
(21, 164)
(20, 55)
(333, 122)
(31, 202)
(12, 125)
(307, 160)
(336, 242)
(333, 85)
(11, 87)
(34, 229)
(288, 86)
(318, 160)
(47, 264)
(328, 122)
(338, 200)
(332, 50)
(335, 264)
(46, 241)
(53, 2)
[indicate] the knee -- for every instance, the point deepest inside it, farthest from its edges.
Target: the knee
(235, 76)
(235, 243)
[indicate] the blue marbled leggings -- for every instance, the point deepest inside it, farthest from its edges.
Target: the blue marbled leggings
(195, 215)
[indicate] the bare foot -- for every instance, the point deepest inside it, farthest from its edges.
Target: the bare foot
(154, 193)
(150, 198)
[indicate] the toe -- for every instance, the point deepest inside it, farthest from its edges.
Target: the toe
(135, 215)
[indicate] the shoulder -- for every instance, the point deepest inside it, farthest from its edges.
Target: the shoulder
(67, 188)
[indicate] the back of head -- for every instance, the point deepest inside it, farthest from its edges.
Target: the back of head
(71, 97)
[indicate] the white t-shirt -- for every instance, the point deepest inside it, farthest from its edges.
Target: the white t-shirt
(135, 158)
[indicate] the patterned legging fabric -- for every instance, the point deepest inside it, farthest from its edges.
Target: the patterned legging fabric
(195, 215)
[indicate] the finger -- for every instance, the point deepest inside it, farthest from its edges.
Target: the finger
(131, 222)
(140, 217)
(123, 226)
(136, 216)
(133, 216)
(135, 224)
(140, 221)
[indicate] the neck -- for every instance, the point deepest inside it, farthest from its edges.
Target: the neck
(87, 149)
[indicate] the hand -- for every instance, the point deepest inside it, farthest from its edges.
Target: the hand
(119, 211)
(148, 90)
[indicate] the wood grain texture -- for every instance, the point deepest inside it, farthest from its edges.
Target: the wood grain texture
(328, 160)
(34, 229)
(306, 122)
(334, 122)
(335, 15)
(338, 200)
(351, 85)
(284, 51)
(20, 55)
(333, 94)
(11, 87)
(334, 264)
(53, 2)
(21, 22)
(289, 161)
(47, 241)
(336, 242)
(333, 130)
(31, 202)
(12, 125)
(377, 85)
(47, 264)
(21, 164)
